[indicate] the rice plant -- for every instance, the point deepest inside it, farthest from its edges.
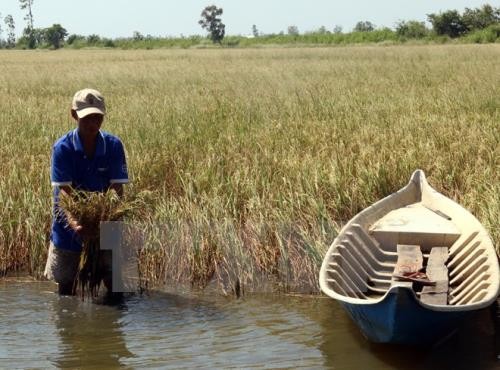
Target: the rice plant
(253, 158)
(88, 210)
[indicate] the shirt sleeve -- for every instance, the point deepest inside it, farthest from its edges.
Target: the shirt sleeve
(118, 173)
(61, 173)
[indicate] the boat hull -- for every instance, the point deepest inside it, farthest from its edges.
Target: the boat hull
(400, 319)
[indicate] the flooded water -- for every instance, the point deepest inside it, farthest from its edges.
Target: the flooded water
(39, 329)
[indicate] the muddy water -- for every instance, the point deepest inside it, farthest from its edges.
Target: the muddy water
(159, 330)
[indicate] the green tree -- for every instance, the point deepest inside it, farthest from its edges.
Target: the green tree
(137, 36)
(211, 21)
(293, 30)
(448, 23)
(73, 38)
(480, 18)
(11, 31)
(28, 6)
(255, 31)
(364, 26)
(322, 30)
(411, 29)
(93, 39)
(108, 43)
(31, 38)
(30, 30)
(55, 35)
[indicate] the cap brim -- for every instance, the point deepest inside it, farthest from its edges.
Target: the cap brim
(91, 110)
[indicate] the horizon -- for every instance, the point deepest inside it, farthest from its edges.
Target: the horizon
(153, 16)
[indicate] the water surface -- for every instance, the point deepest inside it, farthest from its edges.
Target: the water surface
(39, 329)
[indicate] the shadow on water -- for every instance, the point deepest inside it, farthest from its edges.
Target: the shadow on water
(89, 334)
(344, 347)
(472, 347)
(95, 334)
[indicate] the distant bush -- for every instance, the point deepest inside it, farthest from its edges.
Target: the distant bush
(478, 25)
(384, 34)
(448, 23)
(150, 42)
(137, 36)
(481, 18)
(488, 35)
(364, 26)
(454, 24)
(412, 29)
(231, 41)
(293, 30)
(75, 38)
(93, 39)
(108, 43)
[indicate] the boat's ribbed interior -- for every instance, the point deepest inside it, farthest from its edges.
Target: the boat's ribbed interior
(361, 268)
(469, 271)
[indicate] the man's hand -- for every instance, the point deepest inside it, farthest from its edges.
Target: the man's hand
(73, 222)
(83, 232)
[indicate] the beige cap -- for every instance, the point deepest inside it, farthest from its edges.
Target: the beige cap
(88, 101)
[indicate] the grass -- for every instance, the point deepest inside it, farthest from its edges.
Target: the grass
(254, 158)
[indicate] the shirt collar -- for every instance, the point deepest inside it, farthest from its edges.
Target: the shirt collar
(100, 149)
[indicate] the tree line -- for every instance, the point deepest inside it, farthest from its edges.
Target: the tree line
(450, 23)
(32, 37)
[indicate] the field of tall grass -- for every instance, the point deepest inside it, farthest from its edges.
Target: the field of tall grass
(253, 158)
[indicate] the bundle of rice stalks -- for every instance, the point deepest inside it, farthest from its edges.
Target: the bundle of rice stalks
(89, 209)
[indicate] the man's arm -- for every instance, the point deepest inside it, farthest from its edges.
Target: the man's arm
(118, 173)
(66, 191)
(116, 187)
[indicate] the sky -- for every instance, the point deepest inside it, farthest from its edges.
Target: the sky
(120, 18)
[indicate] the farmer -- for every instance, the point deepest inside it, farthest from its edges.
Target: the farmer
(86, 159)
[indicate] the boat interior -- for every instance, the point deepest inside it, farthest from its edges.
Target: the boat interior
(427, 243)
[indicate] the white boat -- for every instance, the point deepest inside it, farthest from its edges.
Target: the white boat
(409, 268)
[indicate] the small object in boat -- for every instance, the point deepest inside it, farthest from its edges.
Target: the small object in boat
(417, 277)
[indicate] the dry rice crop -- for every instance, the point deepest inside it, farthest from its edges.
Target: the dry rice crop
(89, 209)
(254, 158)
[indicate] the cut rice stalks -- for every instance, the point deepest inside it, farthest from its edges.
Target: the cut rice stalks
(89, 209)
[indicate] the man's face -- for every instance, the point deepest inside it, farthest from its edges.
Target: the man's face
(91, 124)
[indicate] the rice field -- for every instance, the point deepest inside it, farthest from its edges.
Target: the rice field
(253, 158)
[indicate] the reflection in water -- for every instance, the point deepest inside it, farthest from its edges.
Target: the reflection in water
(27, 338)
(89, 334)
(471, 348)
(39, 329)
(219, 333)
(344, 347)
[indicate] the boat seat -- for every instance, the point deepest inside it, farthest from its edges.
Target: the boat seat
(413, 224)
(437, 271)
(410, 259)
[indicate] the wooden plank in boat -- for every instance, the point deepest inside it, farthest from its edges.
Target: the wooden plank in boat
(410, 259)
(436, 271)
